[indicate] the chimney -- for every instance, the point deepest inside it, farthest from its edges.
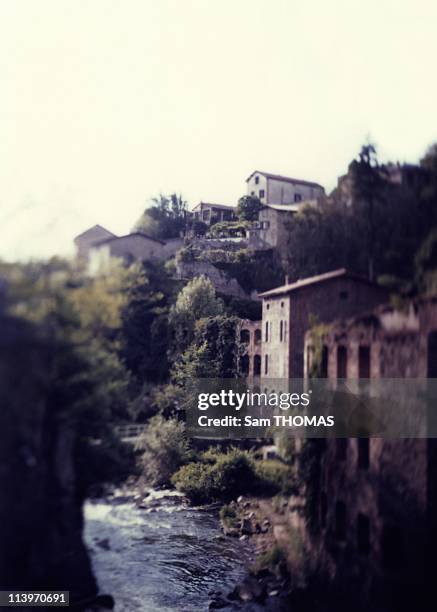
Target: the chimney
(286, 280)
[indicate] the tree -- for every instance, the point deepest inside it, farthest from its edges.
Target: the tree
(164, 447)
(214, 352)
(165, 218)
(248, 208)
(144, 327)
(368, 178)
(195, 301)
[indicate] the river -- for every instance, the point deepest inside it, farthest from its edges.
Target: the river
(165, 558)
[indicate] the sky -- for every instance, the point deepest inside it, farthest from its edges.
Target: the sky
(104, 104)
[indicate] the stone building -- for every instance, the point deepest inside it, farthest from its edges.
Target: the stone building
(377, 498)
(282, 190)
(213, 213)
(129, 248)
(250, 338)
(97, 247)
(289, 311)
(87, 239)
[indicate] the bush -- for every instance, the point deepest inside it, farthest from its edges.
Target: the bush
(274, 477)
(165, 448)
(229, 517)
(216, 476)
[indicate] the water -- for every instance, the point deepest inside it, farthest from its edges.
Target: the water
(163, 560)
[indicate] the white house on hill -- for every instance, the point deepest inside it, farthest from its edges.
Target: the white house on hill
(282, 190)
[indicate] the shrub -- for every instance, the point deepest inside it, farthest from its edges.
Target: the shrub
(216, 476)
(165, 448)
(229, 516)
(274, 477)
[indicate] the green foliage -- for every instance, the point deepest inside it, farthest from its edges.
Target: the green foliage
(317, 332)
(213, 353)
(248, 208)
(168, 399)
(195, 301)
(229, 228)
(144, 330)
(309, 476)
(165, 218)
(254, 270)
(229, 516)
(375, 230)
(223, 476)
(164, 448)
(274, 477)
(273, 559)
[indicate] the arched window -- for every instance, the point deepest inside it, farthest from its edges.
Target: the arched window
(257, 336)
(245, 336)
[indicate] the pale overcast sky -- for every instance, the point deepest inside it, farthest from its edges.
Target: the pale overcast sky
(106, 103)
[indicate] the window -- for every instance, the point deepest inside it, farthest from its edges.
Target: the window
(267, 331)
(257, 336)
(297, 197)
(256, 180)
(341, 362)
(340, 520)
(363, 453)
(245, 336)
(341, 449)
(392, 549)
(265, 224)
(364, 362)
(363, 534)
(262, 193)
(268, 306)
(281, 331)
(266, 364)
(257, 365)
(252, 193)
(282, 304)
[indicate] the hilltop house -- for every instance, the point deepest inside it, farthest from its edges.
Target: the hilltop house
(287, 312)
(87, 239)
(213, 213)
(97, 247)
(282, 190)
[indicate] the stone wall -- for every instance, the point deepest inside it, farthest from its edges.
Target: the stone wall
(324, 302)
(221, 281)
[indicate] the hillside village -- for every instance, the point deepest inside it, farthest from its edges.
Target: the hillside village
(357, 522)
(333, 290)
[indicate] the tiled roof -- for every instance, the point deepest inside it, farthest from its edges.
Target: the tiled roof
(94, 227)
(285, 179)
(312, 280)
(224, 206)
(141, 234)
